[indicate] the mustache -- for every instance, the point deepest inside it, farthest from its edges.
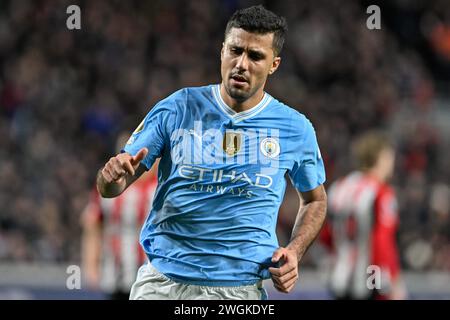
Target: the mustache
(239, 76)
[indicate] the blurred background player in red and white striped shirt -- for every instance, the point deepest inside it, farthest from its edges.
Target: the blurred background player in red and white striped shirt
(111, 252)
(362, 225)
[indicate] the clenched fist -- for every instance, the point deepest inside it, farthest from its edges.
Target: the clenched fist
(285, 277)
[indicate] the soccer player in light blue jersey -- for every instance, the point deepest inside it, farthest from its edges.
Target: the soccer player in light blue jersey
(224, 152)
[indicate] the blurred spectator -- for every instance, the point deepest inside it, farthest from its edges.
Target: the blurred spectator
(362, 225)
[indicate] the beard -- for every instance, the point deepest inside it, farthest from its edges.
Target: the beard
(239, 94)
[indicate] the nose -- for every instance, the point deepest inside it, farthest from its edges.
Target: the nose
(242, 63)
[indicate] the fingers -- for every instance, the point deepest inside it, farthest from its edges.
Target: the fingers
(284, 269)
(286, 287)
(278, 254)
(288, 259)
(139, 156)
(108, 178)
(288, 267)
(285, 283)
(286, 277)
(290, 283)
(127, 166)
(116, 168)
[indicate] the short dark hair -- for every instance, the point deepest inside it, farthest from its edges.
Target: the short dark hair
(258, 19)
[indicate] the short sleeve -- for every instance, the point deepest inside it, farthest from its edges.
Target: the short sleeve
(308, 171)
(153, 132)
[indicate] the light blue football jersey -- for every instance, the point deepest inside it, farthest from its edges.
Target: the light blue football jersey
(221, 180)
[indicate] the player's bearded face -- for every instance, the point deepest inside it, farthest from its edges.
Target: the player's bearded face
(247, 59)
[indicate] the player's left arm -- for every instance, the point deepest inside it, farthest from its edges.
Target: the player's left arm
(308, 223)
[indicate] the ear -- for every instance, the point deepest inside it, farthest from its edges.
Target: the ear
(276, 62)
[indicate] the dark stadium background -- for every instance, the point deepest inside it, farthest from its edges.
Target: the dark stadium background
(66, 94)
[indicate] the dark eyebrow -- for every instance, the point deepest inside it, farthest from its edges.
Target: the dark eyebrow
(257, 53)
(235, 46)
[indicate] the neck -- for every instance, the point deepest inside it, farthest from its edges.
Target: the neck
(377, 174)
(240, 106)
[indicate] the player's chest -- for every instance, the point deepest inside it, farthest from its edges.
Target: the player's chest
(217, 141)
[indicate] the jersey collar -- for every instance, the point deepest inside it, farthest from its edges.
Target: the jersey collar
(239, 116)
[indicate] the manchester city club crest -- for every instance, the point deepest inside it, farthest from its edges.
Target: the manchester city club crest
(270, 147)
(232, 143)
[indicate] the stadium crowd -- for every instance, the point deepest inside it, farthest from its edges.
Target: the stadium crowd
(66, 94)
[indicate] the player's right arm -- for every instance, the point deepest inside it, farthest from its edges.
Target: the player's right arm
(120, 172)
(145, 145)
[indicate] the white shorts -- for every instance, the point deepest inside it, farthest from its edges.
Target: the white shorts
(153, 285)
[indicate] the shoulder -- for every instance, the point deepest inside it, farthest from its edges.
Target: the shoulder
(172, 104)
(195, 92)
(385, 191)
(178, 96)
(297, 120)
(299, 127)
(181, 97)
